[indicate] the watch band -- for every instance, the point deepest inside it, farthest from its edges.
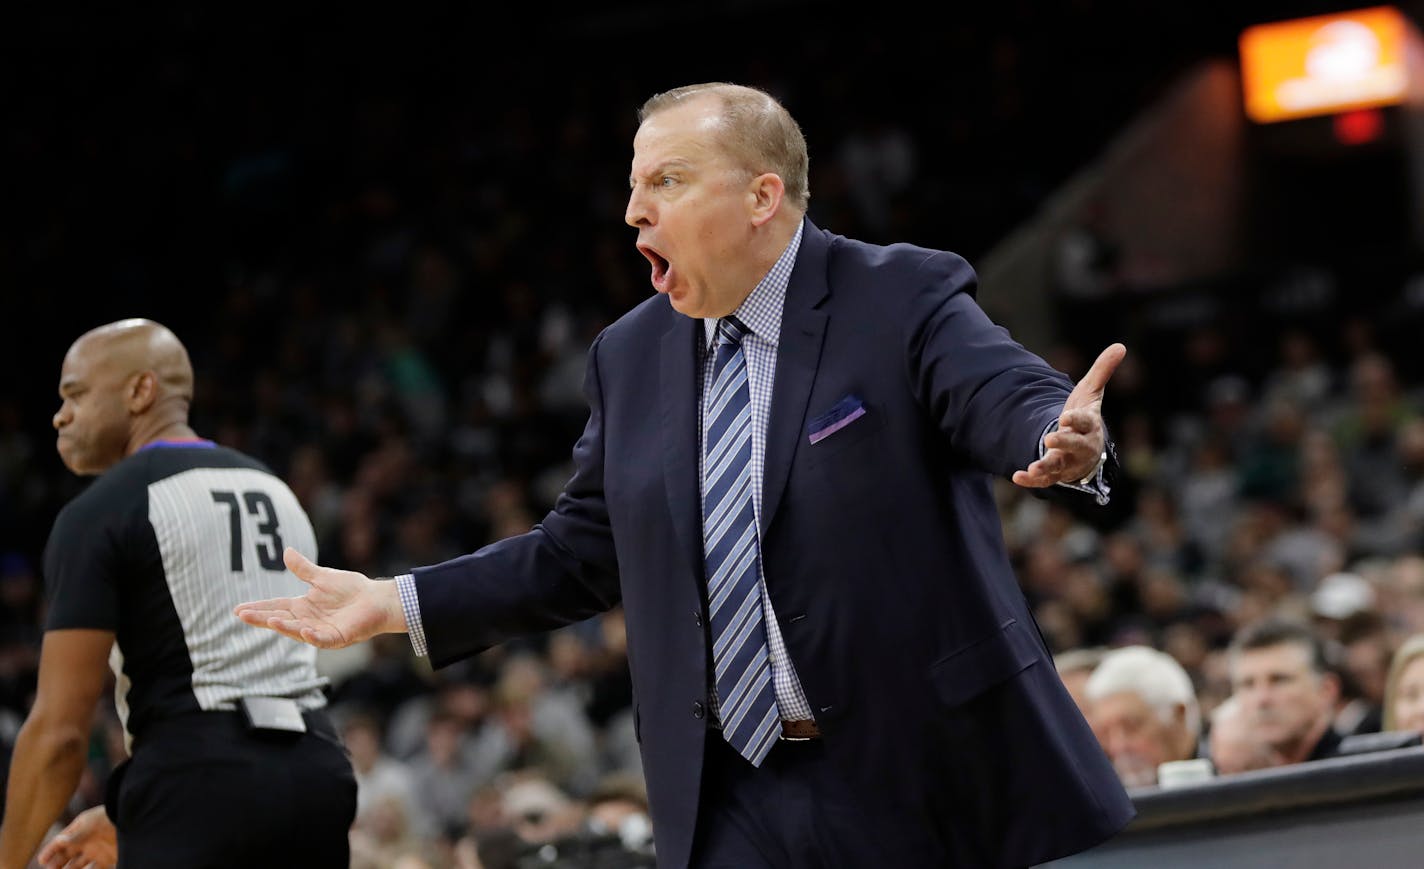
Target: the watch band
(1102, 460)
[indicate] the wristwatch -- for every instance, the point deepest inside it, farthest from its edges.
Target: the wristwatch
(1102, 460)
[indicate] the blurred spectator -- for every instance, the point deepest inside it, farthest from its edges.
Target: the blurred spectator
(1300, 377)
(877, 159)
(1338, 598)
(387, 804)
(444, 774)
(1233, 744)
(538, 810)
(1367, 432)
(1404, 692)
(385, 834)
(460, 693)
(1143, 708)
(1367, 646)
(1270, 467)
(619, 806)
(1085, 264)
(1287, 688)
(534, 729)
(1207, 497)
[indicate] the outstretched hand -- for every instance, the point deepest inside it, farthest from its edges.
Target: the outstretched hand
(1074, 449)
(341, 607)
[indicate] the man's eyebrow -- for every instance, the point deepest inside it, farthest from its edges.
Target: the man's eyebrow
(675, 163)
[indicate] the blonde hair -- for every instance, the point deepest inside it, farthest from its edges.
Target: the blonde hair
(1407, 652)
(757, 131)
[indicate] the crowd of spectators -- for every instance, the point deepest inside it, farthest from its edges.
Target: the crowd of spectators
(1273, 549)
(389, 302)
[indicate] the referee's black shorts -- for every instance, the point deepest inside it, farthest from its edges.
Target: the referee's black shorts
(203, 792)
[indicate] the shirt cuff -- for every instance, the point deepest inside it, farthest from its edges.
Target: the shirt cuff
(410, 603)
(1095, 485)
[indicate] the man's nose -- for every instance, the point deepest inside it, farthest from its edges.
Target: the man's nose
(638, 212)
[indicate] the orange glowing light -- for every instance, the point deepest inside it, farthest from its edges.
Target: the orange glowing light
(1324, 64)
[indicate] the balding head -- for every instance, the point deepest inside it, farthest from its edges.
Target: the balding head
(122, 385)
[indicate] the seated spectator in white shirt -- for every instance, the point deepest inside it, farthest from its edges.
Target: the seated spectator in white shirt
(1143, 707)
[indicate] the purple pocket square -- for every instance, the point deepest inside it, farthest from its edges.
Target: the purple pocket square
(845, 412)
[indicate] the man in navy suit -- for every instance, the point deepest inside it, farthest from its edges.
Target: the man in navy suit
(785, 479)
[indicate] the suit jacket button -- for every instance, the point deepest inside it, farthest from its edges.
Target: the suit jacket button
(698, 710)
(697, 617)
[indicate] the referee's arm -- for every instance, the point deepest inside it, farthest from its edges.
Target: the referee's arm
(51, 748)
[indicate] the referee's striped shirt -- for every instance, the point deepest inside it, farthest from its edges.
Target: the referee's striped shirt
(159, 550)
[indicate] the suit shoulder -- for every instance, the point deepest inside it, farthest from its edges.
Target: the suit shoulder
(901, 269)
(649, 318)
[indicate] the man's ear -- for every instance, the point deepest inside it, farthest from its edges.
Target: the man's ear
(764, 194)
(1330, 686)
(142, 392)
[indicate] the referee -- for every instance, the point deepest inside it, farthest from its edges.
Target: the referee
(232, 760)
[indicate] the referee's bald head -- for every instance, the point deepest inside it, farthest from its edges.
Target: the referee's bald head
(123, 384)
(135, 345)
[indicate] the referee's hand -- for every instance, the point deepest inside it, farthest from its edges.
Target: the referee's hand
(89, 842)
(340, 608)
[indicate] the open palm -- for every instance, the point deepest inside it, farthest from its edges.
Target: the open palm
(340, 608)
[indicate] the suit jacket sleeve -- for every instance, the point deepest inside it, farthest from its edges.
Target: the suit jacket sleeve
(562, 571)
(992, 397)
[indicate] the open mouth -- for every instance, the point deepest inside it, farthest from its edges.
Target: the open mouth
(661, 267)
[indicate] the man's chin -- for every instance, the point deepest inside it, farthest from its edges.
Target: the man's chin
(683, 305)
(77, 464)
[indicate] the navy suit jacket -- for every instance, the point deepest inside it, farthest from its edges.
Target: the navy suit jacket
(882, 551)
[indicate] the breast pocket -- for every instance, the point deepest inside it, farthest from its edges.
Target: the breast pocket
(859, 432)
(975, 668)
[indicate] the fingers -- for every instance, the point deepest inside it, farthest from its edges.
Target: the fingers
(1078, 420)
(257, 612)
(1044, 472)
(322, 638)
(1075, 444)
(1029, 479)
(304, 568)
(1057, 466)
(56, 853)
(275, 618)
(1096, 380)
(293, 628)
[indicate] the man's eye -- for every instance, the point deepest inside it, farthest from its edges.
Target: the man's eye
(667, 181)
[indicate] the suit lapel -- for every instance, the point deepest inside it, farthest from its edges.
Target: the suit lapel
(678, 400)
(803, 328)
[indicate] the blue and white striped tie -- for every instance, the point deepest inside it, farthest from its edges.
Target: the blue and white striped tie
(732, 554)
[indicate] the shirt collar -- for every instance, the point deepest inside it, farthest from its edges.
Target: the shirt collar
(761, 311)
